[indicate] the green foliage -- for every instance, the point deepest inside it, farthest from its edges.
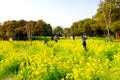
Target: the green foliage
(20, 30)
(42, 28)
(116, 26)
(58, 30)
(82, 26)
(66, 32)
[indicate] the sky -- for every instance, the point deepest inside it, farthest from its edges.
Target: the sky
(55, 12)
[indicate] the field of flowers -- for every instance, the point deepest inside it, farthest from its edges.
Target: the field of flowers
(64, 60)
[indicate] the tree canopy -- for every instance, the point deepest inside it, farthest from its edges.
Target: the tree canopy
(107, 15)
(22, 29)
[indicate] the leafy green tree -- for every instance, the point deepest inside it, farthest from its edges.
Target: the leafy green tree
(58, 30)
(116, 19)
(9, 29)
(66, 32)
(29, 29)
(76, 28)
(80, 27)
(107, 15)
(48, 30)
(116, 29)
(87, 25)
(2, 32)
(19, 30)
(41, 28)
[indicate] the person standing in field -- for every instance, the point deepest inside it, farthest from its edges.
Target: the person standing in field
(84, 42)
(57, 38)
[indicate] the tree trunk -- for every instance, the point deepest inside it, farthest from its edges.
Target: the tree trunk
(107, 21)
(29, 34)
(117, 35)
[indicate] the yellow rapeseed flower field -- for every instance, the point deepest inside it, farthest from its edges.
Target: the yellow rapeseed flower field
(64, 60)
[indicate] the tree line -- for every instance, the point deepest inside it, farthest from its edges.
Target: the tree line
(106, 19)
(22, 30)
